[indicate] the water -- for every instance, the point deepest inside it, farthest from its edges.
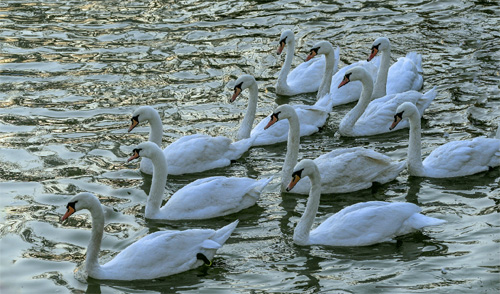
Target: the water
(72, 72)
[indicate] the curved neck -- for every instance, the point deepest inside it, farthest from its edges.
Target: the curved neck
(326, 83)
(157, 183)
(156, 132)
(301, 233)
(292, 150)
(246, 124)
(381, 83)
(91, 260)
(285, 70)
(348, 122)
(415, 166)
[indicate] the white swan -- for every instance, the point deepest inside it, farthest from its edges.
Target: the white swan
(201, 199)
(189, 154)
(305, 78)
(371, 117)
(329, 95)
(311, 117)
(360, 224)
(453, 159)
(156, 255)
(402, 76)
(343, 170)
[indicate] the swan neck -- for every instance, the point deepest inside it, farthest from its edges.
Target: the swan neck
(292, 150)
(285, 70)
(91, 260)
(303, 229)
(246, 124)
(415, 166)
(157, 184)
(326, 83)
(156, 132)
(381, 83)
(348, 122)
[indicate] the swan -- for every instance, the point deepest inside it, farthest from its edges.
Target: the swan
(402, 76)
(189, 154)
(305, 78)
(453, 159)
(343, 170)
(371, 117)
(201, 199)
(329, 95)
(311, 117)
(156, 255)
(361, 224)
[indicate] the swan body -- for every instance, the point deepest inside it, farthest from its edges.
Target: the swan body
(360, 224)
(305, 78)
(342, 170)
(329, 95)
(204, 198)
(311, 118)
(371, 117)
(404, 75)
(189, 154)
(156, 255)
(453, 159)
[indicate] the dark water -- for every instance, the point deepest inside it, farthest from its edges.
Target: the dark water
(72, 72)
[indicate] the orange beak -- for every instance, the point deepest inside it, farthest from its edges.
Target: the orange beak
(293, 182)
(344, 81)
(281, 46)
(133, 125)
(374, 52)
(237, 92)
(311, 55)
(271, 122)
(69, 212)
(396, 121)
(134, 156)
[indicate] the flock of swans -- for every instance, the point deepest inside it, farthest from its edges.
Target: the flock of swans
(384, 93)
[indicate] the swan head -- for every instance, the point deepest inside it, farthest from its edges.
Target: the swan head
(380, 44)
(141, 114)
(241, 84)
(304, 168)
(281, 112)
(356, 73)
(81, 201)
(322, 47)
(404, 110)
(286, 36)
(146, 149)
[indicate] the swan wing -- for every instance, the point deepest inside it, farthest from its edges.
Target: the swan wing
(307, 76)
(464, 157)
(404, 74)
(212, 197)
(364, 224)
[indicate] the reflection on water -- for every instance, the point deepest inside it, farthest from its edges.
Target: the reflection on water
(72, 73)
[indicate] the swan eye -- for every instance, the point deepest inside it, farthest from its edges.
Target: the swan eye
(135, 118)
(283, 40)
(72, 204)
(348, 76)
(398, 115)
(276, 115)
(238, 86)
(315, 50)
(136, 151)
(297, 173)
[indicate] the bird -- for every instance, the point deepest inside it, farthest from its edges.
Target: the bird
(311, 117)
(403, 75)
(371, 117)
(329, 95)
(305, 78)
(202, 199)
(453, 159)
(361, 224)
(342, 170)
(192, 153)
(156, 255)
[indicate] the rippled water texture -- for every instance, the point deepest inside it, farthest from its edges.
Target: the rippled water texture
(72, 72)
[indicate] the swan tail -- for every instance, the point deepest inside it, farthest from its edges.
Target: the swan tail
(417, 60)
(426, 100)
(237, 148)
(336, 55)
(263, 183)
(418, 221)
(222, 234)
(391, 172)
